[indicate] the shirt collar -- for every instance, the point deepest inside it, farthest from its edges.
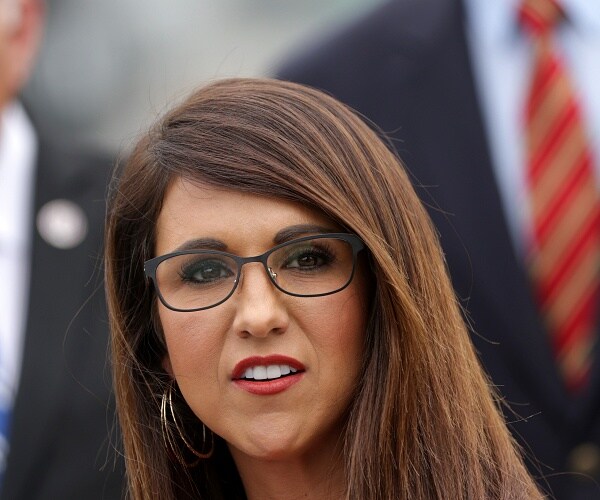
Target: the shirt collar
(496, 21)
(585, 14)
(18, 147)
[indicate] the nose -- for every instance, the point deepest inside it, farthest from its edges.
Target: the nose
(260, 307)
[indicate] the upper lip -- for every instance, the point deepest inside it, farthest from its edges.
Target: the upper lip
(274, 359)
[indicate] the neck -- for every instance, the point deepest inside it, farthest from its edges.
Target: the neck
(315, 477)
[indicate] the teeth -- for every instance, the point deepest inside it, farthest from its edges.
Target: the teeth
(270, 372)
(260, 372)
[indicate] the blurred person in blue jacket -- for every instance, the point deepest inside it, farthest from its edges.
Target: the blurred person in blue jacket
(56, 408)
(486, 102)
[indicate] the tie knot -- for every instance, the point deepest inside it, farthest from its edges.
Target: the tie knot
(540, 16)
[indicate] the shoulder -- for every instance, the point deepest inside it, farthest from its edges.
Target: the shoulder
(63, 164)
(389, 52)
(68, 164)
(73, 180)
(398, 28)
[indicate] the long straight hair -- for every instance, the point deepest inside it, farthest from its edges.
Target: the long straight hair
(424, 423)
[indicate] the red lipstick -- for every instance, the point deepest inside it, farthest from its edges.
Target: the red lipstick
(268, 374)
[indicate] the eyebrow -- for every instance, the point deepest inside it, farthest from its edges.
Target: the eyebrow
(202, 244)
(285, 234)
(291, 232)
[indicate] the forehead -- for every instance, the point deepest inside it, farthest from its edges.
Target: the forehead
(244, 222)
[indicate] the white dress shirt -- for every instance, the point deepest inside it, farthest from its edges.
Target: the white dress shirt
(18, 147)
(501, 53)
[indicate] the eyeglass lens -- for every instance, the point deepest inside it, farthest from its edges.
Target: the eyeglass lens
(305, 268)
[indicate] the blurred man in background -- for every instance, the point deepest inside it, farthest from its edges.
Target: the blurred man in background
(56, 411)
(495, 108)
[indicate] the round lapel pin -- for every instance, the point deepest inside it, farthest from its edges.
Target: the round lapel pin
(62, 224)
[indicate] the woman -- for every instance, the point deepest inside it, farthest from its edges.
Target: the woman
(283, 324)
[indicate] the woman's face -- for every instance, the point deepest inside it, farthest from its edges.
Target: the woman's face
(209, 351)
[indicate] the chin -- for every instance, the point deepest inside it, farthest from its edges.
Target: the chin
(271, 446)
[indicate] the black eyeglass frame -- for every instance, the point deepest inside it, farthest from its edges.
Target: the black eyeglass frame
(151, 265)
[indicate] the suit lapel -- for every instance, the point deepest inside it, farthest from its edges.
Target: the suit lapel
(55, 294)
(39, 389)
(410, 50)
(457, 182)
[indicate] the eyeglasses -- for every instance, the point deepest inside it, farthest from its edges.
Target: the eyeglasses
(311, 266)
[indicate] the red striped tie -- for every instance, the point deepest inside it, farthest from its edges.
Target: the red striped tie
(565, 203)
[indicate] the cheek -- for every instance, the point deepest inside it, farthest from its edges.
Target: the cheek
(338, 331)
(340, 323)
(194, 343)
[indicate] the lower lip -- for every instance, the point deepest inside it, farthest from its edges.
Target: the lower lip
(268, 387)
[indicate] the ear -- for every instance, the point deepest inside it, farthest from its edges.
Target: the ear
(21, 28)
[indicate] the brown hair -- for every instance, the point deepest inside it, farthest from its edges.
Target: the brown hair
(424, 423)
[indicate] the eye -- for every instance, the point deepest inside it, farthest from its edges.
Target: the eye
(307, 258)
(204, 271)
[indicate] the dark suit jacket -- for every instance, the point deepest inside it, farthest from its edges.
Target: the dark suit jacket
(406, 67)
(63, 414)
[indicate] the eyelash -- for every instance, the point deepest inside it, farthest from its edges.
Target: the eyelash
(186, 271)
(321, 251)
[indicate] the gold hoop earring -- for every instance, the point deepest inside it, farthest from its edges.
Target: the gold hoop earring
(169, 437)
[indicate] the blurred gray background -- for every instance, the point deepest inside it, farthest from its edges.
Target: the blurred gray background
(109, 67)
